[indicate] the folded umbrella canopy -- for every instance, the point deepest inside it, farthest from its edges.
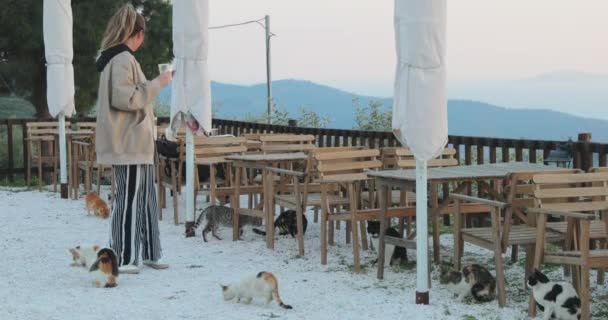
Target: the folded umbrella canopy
(420, 104)
(191, 92)
(57, 22)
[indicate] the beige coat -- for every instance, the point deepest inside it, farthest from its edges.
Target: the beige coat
(125, 118)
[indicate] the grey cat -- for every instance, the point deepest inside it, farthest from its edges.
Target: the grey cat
(220, 216)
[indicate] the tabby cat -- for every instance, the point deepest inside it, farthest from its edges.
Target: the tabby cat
(287, 223)
(219, 216)
(474, 280)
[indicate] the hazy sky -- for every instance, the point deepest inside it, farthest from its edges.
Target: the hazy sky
(349, 43)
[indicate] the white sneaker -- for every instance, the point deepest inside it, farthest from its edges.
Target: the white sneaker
(156, 264)
(129, 269)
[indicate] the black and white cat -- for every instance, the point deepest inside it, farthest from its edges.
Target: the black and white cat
(392, 255)
(287, 223)
(474, 280)
(557, 300)
(220, 216)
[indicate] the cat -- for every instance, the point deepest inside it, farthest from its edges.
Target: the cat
(392, 254)
(219, 215)
(287, 222)
(97, 205)
(264, 285)
(105, 269)
(474, 280)
(558, 300)
(84, 255)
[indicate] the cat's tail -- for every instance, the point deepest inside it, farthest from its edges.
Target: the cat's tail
(274, 283)
(258, 231)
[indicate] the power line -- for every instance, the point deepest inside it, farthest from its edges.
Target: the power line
(242, 23)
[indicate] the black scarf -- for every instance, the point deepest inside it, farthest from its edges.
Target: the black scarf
(108, 54)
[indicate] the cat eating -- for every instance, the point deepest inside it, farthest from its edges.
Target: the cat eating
(105, 269)
(264, 285)
(558, 300)
(474, 280)
(392, 254)
(97, 205)
(219, 216)
(287, 223)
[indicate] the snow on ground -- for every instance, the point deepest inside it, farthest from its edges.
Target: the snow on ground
(37, 282)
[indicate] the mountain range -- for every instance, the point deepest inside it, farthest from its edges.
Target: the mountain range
(465, 117)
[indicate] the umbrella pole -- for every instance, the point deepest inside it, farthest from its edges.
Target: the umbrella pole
(62, 158)
(189, 179)
(422, 247)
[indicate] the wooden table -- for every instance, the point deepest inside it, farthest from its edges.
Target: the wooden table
(463, 176)
(259, 162)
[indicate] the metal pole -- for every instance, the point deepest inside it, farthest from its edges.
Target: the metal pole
(422, 246)
(189, 177)
(62, 158)
(268, 76)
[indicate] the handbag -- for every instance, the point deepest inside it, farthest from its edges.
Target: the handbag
(167, 148)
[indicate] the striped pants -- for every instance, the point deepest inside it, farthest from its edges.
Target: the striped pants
(135, 215)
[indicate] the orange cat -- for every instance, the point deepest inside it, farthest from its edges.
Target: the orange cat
(264, 285)
(97, 205)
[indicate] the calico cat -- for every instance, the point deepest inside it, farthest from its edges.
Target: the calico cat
(219, 216)
(105, 269)
(558, 300)
(97, 205)
(392, 254)
(264, 285)
(474, 280)
(84, 255)
(287, 222)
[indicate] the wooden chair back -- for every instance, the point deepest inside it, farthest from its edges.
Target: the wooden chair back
(346, 164)
(582, 192)
(86, 126)
(35, 129)
(281, 143)
(212, 149)
(405, 159)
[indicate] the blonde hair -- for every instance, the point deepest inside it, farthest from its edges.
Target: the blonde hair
(125, 23)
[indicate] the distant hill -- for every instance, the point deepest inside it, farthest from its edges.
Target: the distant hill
(470, 118)
(13, 107)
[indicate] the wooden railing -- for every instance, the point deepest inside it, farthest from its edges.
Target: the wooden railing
(470, 149)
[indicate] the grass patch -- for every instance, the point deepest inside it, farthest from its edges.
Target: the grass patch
(18, 182)
(468, 317)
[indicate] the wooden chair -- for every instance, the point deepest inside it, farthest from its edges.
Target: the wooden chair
(305, 193)
(577, 198)
(516, 229)
(40, 134)
(211, 152)
(347, 170)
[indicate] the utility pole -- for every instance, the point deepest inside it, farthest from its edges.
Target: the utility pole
(268, 76)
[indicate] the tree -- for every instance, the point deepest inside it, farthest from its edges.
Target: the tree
(372, 117)
(22, 49)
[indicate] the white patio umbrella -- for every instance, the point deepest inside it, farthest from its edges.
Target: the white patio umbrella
(191, 89)
(57, 22)
(420, 104)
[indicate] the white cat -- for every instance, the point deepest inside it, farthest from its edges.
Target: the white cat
(264, 285)
(558, 300)
(84, 255)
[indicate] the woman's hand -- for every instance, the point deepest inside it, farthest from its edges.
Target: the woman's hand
(164, 78)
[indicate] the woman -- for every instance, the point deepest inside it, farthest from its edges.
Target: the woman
(124, 139)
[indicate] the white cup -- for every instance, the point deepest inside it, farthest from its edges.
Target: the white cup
(164, 67)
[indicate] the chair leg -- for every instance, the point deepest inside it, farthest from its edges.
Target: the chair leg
(316, 215)
(330, 231)
(175, 196)
(40, 167)
(28, 168)
(355, 231)
(324, 209)
(347, 231)
(338, 225)
(584, 292)
(55, 164)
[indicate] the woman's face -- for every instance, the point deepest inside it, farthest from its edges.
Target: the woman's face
(138, 39)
